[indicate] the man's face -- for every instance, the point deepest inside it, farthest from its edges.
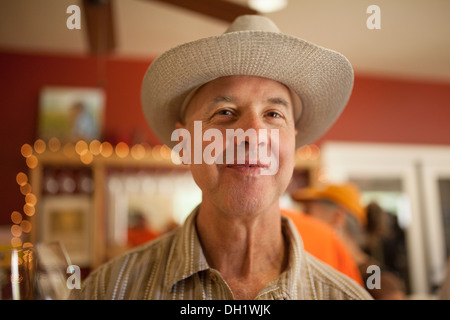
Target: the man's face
(322, 210)
(243, 102)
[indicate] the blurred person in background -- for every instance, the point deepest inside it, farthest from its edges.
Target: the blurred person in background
(340, 207)
(385, 241)
(139, 231)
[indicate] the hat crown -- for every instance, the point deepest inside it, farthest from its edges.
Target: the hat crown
(252, 23)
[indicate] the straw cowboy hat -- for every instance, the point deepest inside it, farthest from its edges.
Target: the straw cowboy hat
(346, 195)
(254, 46)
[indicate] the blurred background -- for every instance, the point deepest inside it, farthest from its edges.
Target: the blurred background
(80, 165)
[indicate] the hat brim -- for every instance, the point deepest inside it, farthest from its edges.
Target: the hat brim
(311, 194)
(322, 78)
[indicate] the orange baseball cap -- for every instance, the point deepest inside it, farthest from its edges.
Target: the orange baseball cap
(346, 195)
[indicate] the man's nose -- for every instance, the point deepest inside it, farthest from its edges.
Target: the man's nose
(255, 132)
(251, 120)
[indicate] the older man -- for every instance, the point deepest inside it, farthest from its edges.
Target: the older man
(235, 244)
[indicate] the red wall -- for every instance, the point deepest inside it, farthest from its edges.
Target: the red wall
(397, 111)
(380, 110)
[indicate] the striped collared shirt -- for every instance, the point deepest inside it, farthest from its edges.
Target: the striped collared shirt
(174, 267)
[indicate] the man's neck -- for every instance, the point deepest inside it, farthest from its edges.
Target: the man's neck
(248, 251)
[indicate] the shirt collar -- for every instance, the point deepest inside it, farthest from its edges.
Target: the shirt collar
(296, 272)
(186, 255)
(186, 258)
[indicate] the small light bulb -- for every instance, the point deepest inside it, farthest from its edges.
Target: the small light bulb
(266, 6)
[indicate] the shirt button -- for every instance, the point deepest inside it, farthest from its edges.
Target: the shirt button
(212, 276)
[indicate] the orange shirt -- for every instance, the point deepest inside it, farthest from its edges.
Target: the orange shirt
(321, 241)
(138, 236)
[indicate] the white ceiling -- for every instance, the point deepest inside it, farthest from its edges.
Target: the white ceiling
(413, 42)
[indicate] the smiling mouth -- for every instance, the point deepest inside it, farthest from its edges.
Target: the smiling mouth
(246, 164)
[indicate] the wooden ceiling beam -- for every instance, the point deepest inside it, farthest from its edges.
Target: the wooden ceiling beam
(219, 9)
(100, 25)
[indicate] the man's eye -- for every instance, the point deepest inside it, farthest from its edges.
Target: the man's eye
(274, 114)
(224, 112)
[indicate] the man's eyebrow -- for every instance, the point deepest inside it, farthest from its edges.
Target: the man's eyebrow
(217, 100)
(221, 99)
(279, 101)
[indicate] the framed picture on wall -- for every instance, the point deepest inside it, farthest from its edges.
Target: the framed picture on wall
(71, 114)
